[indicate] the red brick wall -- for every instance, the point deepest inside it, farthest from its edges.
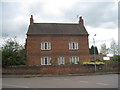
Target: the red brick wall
(63, 69)
(60, 47)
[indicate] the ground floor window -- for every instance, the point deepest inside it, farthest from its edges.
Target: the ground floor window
(45, 61)
(61, 60)
(74, 60)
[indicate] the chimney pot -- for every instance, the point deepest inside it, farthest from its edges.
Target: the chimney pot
(31, 20)
(81, 20)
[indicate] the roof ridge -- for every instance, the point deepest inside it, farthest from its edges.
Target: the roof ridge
(59, 23)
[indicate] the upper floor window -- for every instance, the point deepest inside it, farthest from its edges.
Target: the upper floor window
(45, 61)
(73, 45)
(45, 46)
(74, 59)
(61, 60)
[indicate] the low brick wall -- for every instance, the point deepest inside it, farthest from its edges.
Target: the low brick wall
(65, 69)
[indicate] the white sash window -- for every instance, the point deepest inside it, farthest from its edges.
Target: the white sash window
(74, 59)
(45, 61)
(61, 60)
(73, 45)
(45, 46)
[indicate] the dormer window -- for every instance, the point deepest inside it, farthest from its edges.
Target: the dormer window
(73, 45)
(45, 46)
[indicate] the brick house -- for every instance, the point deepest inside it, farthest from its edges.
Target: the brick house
(57, 43)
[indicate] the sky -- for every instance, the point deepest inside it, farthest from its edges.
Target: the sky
(100, 17)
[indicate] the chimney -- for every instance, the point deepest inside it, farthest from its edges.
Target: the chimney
(31, 20)
(81, 20)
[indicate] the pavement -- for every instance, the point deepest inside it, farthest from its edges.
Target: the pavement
(56, 75)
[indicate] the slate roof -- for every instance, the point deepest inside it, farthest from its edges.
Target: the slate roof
(56, 29)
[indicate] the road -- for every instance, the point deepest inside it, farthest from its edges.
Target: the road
(93, 81)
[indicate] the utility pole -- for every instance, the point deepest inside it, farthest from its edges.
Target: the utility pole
(94, 51)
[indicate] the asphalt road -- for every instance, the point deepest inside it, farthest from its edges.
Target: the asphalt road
(93, 81)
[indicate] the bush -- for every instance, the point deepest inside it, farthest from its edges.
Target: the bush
(116, 58)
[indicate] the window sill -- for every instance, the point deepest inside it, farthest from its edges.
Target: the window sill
(45, 64)
(45, 50)
(73, 49)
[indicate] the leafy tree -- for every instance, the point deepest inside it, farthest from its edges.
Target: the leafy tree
(13, 53)
(113, 47)
(103, 49)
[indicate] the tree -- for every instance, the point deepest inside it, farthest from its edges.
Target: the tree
(96, 50)
(92, 50)
(113, 47)
(103, 49)
(13, 53)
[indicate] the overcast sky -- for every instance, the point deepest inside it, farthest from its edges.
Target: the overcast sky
(100, 18)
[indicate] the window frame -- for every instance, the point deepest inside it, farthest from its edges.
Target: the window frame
(74, 59)
(45, 45)
(73, 46)
(61, 60)
(43, 60)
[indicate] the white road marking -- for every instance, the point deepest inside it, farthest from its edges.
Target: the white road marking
(102, 84)
(84, 81)
(18, 86)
